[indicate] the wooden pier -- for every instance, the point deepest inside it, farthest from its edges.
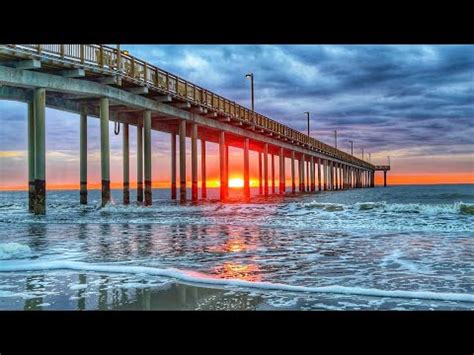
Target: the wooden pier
(99, 81)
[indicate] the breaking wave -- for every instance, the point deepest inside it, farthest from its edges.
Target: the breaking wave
(199, 278)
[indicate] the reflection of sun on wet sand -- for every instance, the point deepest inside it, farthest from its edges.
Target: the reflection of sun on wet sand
(235, 270)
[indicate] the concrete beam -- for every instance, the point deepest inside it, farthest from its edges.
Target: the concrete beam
(164, 98)
(24, 64)
(72, 73)
(182, 105)
(140, 90)
(111, 80)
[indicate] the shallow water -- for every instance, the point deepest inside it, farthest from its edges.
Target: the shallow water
(404, 247)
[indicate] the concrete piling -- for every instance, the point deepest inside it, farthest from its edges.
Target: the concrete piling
(194, 163)
(39, 98)
(260, 185)
(272, 157)
(282, 172)
(293, 182)
(31, 156)
(319, 174)
(246, 170)
(203, 169)
(222, 167)
(182, 161)
(265, 169)
(139, 162)
(147, 153)
(105, 149)
(126, 163)
(83, 157)
(173, 166)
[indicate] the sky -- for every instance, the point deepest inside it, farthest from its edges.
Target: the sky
(412, 102)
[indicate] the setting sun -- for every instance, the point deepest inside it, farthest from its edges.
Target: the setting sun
(236, 182)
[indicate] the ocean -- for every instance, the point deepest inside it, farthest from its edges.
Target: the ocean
(393, 248)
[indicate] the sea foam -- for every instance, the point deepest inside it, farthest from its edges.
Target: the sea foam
(14, 251)
(199, 278)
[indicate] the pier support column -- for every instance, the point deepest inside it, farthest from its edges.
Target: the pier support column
(325, 174)
(227, 170)
(282, 172)
(293, 183)
(272, 157)
(105, 149)
(126, 164)
(31, 156)
(83, 158)
(313, 183)
(384, 178)
(319, 174)
(260, 185)
(203, 170)
(139, 162)
(308, 176)
(194, 162)
(147, 136)
(265, 169)
(336, 176)
(182, 161)
(246, 169)
(222, 166)
(302, 175)
(39, 98)
(39, 109)
(329, 175)
(173, 166)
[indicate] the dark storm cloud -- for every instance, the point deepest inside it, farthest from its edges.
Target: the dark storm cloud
(382, 97)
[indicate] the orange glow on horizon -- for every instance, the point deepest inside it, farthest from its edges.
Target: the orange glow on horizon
(392, 179)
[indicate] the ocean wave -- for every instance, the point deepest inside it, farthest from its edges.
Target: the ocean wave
(383, 206)
(200, 278)
(14, 251)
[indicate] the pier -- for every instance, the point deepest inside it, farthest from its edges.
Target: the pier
(112, 85)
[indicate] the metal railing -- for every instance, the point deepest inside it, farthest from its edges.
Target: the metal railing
(136, 70)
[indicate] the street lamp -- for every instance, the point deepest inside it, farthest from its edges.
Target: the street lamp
(370, 160)
(352, 147)
(250, 75)
(362, 153)
(335, 138)
(388, 157)
(307, 117)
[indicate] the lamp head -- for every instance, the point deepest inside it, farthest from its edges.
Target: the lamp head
(249, 75)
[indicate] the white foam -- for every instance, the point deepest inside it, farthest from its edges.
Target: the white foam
(14, 251)
(199, 278)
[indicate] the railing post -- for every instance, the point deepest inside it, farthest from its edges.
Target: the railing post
(101, 54)
(119, 58)
(61, 49)
(82, 53)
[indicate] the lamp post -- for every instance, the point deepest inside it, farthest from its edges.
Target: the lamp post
(370, 159)
(362, 153)
(307, 117)
(250, 75)
(335, 138)
(388, 157)
(352, 147)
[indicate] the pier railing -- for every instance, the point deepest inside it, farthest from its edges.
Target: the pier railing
(121, 63)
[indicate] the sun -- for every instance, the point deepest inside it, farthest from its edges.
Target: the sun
(236, 182)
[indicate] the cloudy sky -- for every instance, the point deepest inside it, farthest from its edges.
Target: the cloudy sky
(414, 103)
